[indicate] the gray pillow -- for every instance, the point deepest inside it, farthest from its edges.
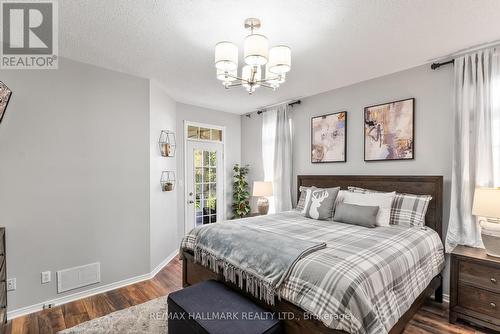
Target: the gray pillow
(407, 209)
(321, 202)
(356, 214)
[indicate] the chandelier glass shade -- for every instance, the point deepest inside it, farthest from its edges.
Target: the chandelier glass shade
(280, 59)
(256, 50)
(273, 62)
(226, 56)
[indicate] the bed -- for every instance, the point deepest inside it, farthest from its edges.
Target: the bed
(352, 250)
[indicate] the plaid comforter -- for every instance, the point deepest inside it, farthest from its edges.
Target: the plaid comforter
(364, 280)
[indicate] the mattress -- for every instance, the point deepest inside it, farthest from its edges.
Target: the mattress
(364, 280)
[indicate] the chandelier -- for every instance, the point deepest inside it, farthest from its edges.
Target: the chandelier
(263, 66)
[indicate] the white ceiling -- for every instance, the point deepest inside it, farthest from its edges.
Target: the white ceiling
(334, 42)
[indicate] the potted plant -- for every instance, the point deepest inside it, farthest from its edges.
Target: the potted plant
(241, 194)
(168, 186)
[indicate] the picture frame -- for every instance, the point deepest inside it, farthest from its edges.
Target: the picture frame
(5, 94)
(329, 138)
(389, 131)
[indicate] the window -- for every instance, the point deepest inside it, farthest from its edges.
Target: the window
(202, 133)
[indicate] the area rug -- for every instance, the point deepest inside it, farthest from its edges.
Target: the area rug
(149, 317)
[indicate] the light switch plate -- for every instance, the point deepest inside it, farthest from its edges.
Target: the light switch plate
(46, 277)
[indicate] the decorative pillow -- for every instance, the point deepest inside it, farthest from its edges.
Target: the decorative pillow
(382, 200)
(356, 214)
(301, 203)
(320, 203)
(407, 209)
(340, 198)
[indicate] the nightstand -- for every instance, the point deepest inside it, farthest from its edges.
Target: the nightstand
(475, 287)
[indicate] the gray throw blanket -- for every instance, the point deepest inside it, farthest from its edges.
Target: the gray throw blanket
(256, 260)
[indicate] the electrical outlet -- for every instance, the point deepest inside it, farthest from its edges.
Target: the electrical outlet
(45, 277)
(11, 284)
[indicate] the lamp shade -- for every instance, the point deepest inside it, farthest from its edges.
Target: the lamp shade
(261, 188)
(280, 59)
(226, 56)
(256, 50)
(274, 79)
(486, 202)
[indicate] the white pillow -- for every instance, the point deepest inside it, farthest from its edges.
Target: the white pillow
(340, 197)
(382, 200)
(307, 197)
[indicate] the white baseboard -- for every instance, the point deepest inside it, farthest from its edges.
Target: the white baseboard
(90, 292)
(163, 264)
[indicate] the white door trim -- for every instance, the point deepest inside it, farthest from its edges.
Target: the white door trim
(223, 142)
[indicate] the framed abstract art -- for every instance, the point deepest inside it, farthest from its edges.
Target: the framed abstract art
(389, 131)
(5, 94)
(329, 138)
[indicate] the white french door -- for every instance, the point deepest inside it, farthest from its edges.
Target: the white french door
(204, 183)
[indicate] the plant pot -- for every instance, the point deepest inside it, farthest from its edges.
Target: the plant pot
(168, 187)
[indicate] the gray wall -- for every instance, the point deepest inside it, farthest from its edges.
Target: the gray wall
(433, 130)
(74, 175)
(233, 147)
(163, 205)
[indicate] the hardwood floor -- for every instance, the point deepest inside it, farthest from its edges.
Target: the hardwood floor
(432, 318)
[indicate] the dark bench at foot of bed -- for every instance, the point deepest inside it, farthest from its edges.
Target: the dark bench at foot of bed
(211, 307)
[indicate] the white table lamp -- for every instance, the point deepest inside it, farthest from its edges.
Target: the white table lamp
(487, 208)
(262, 190)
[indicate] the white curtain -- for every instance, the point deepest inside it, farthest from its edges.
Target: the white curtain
(476, 151)
(277, 156)
(282, 178)
(268, 136)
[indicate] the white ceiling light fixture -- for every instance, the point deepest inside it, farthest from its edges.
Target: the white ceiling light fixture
(256, 53)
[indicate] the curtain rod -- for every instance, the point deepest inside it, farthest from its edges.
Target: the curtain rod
(263, 109)
(478, 47)
(291, 104)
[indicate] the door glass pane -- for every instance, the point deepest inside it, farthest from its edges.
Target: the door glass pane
(212, 159)
(205, 190)
(206, 158)
(198, 158)
(212, 175)
(193, 132)
(204, 134)
(216, 135)
(198, 210)
(198, 175)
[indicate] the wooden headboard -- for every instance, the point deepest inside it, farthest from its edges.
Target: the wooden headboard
(418, 185)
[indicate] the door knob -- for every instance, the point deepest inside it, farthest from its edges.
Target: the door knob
(190, 194)
(493, 280)
(190, 201)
